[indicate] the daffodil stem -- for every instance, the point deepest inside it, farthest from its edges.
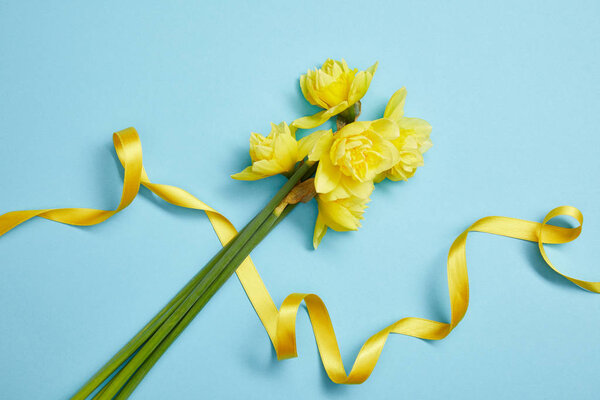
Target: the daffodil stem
(142, 336)
(202, 300)
(144, 344)
(348, 116)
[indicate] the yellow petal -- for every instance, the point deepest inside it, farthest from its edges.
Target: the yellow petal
(283, 128)
(338, 193)
(313, 80)
(417, 129)
(311, 121)
(356, 188)
(320, 231)
(337, 217)
(395, 107)
(307, 143)
(380, 177)
(260, 152)
(255, 140)
(247, 175)
(361, 84)
(321, 146)
(420, 126)
(390, 154)
(305, 90)
(353, 128)
(373, 68)
(327, 176)
(267, 167)
(359, 87)
(387, 128)
(425, 145)
(285, 150)
(319, 118)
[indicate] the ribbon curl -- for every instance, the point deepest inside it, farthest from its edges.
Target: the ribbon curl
(281, 324)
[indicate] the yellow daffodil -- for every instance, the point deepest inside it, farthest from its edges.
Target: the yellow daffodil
(334, 87)
(271, 155)
(413, 140)
(353, 157)
(338, 214)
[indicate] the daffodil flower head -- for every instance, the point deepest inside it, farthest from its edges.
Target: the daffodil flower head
(335, 83)
(412, 142)
(342, 214)
(333, 87)
(271, 155)
(353, 157)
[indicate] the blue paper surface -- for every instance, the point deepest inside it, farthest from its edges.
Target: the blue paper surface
(510, 87)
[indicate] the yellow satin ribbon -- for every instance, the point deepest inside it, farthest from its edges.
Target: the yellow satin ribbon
(280, 324)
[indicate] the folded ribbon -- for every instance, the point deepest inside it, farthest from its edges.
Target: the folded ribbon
(281, 324)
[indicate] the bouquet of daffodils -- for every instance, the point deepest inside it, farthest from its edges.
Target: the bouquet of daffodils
(350, 160)
(338, 168)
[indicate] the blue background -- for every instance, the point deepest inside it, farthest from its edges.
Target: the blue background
(510, 87)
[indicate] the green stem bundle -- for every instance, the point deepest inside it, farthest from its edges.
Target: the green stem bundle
(137, 357)
(149, 362)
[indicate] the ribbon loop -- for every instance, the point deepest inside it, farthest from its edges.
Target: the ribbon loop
(281, 324)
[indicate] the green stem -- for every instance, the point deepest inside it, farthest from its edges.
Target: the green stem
(113, 387)
(348, 116)
(149, 362)
(150, 328)
(144, 334)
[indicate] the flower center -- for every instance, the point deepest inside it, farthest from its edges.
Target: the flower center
(354, 155)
